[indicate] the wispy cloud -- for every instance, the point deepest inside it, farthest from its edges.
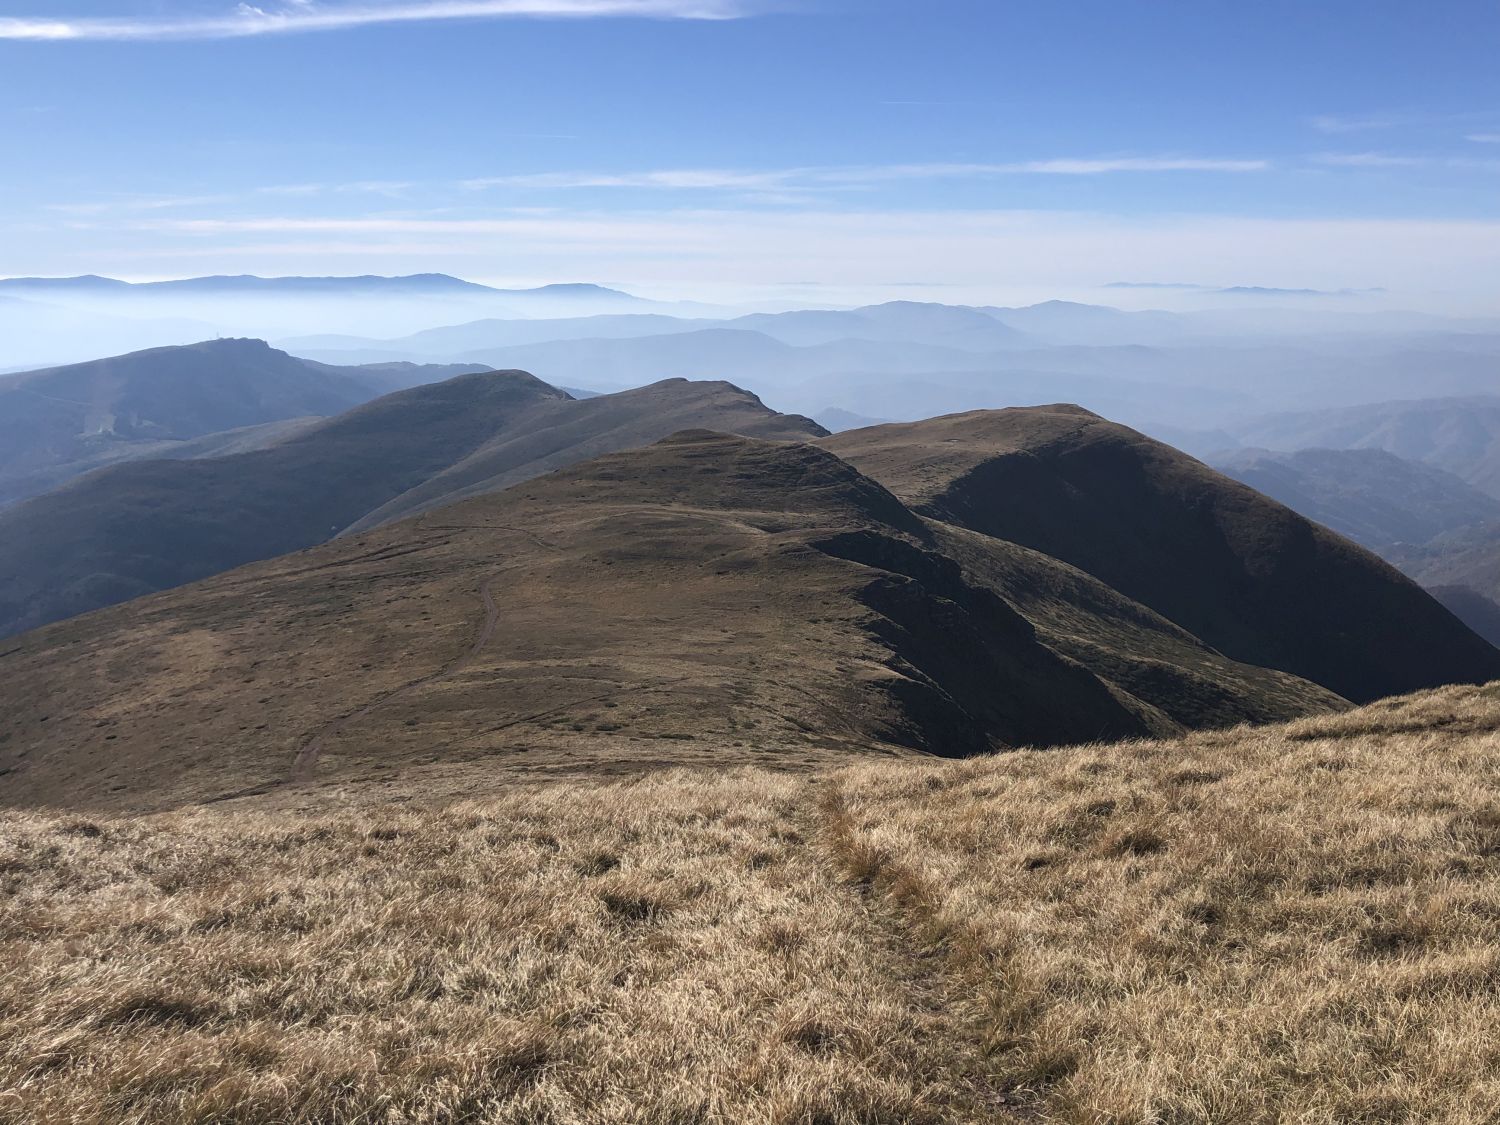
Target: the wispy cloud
(306, 16)
(1402, 119)
(1369, 160)
(1135, 164)
(802, 179)
(1484, 138)
(1391, 160)
(1348, 123)
(154, 203)
(393, 188)
(675, 179)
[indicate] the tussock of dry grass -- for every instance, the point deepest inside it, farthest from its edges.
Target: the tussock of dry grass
(1297, 924)
(1291, 924)
(662, 952)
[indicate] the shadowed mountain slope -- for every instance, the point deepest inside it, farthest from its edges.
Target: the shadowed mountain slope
(175, 403)
(727, 598)
(1432, 525)
(224, 443)
(134, 528)
(62, 421)
(1186, 682)
(1374, 497)
(563, 432)
(1478, 612)
(1248, 576)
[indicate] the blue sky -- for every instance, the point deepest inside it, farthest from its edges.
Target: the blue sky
(695, 147)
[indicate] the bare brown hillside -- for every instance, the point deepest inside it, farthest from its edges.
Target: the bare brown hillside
(135, 528)
(710, 598)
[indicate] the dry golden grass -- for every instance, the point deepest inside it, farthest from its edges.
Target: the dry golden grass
(1298, 923)
(669, 951)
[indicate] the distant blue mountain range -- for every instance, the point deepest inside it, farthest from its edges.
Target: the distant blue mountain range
(422, 283)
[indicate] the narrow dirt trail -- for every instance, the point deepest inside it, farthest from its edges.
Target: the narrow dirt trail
(307, 758)
(952, 1046)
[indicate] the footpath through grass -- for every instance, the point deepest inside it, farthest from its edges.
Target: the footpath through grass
(1296, 923)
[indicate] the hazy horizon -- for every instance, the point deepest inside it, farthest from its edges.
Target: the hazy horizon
(796, 151)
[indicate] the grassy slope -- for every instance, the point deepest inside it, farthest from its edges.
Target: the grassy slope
(143, 526)
(63, 421)
(569, 431)
(1273, 924)
(748, 601)
(150, 525)
(1250, 577)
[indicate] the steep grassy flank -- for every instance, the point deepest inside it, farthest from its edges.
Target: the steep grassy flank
(150, 525)
(1128, 645)
(567, 432)
(711, 599)
(140, 527)
(1246, 575)
(1297, 923)
(63, 421)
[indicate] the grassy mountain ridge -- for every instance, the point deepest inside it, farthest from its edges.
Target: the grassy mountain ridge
(565, 433)
(148, 525)
(711, 598)
(1248, 576)
(134, 528)
(64, 420)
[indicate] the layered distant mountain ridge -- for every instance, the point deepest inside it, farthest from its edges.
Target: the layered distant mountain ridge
(548, 584)
(58, 423)
(250, 284)
(152, 524)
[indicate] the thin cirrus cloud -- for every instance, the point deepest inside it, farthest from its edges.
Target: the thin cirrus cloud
(709, 179)
(1348, 123)
(1369, 160)
(300, 16)
(1388, 160)
(1337, 123)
